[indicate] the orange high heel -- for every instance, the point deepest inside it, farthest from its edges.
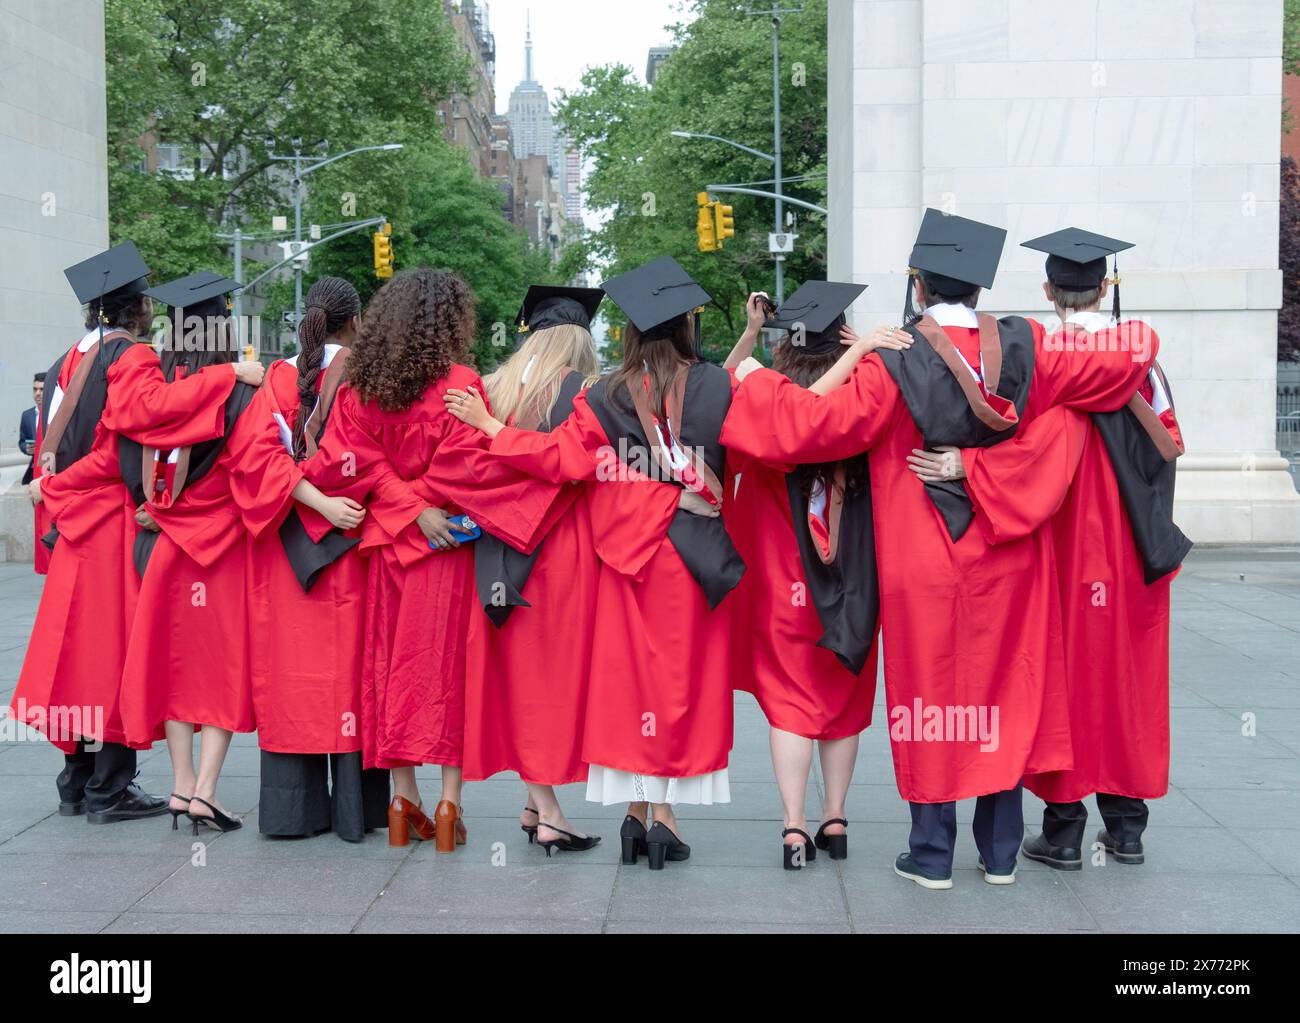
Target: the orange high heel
(406, 819)
(449, 827)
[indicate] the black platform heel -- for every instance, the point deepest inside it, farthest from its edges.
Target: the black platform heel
(836, 846)
(530, 832)
(793, 857)
(217, 822)
(178, 814)
(662, 845)
(633, 837)
(569, 843)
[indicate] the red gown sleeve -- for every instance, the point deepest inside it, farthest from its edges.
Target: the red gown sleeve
(1098, 373)
(1017, 486)
(262, 474)
(65, 490)
(575, 450)
(142, 405)
(777, 421)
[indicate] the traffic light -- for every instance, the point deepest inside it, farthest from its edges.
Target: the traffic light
(384, 252)
(724, 223)
(704, 224)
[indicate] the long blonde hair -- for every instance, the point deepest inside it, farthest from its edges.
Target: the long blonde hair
(550, 351)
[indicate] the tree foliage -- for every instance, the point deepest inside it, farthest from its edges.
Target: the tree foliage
(643, 181)
(1288, 323)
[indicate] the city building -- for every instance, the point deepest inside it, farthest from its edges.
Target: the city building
(1156, 123)
(658, 55)
(467, 117)
(501, 169)
(531, 125)
(572, 188)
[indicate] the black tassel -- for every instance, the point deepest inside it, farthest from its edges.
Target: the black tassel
(1115, 308)
(910, 315)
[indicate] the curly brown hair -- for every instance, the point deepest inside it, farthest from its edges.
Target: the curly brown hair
(415, 327)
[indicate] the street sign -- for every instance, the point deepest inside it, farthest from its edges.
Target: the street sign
(299, 252)
(781, 243)
(279, 223)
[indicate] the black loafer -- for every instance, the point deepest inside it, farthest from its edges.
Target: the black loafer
(76, 809)
(1058, 857)
(1131, 853)
(134, 805)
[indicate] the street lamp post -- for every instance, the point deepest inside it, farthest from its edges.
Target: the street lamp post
(300, 172)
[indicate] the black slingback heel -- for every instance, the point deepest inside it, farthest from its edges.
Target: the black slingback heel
(836, 846)
(633, 837)
(178, 814)
(793, 857)
(569, 843)
(217, 822)
(530, 832)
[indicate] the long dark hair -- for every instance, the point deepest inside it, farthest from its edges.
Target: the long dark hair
(662, 351)
(218, 345)
(331, 303)
(415, 327)
(805, 370)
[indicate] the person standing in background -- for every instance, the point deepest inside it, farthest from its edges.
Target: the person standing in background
(29, 430)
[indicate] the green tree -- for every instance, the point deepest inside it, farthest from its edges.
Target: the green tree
(219, 81)
(643, 181)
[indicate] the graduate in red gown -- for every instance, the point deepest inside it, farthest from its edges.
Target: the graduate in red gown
(307, 601)
(658, 729)
(1117, 550)
(391, 443)
(805, 614)
(188, 659)
(106, 387)
(525, 698)
(974, 667)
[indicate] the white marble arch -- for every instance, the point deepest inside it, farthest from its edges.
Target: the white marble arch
(1157, 121)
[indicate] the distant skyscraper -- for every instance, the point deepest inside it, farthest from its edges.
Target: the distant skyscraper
(658, 54)
(573, 185)
(531, 126)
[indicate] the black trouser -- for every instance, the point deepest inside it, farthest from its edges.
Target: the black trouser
(100, 778)
(297, 798)
(1125, 818)
(998, 828)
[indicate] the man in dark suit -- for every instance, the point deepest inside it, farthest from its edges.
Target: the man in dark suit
(27, 426)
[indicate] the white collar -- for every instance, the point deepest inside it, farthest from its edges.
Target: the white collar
(84, 344)
(953, 314)
(330, 352)
(1091, 322)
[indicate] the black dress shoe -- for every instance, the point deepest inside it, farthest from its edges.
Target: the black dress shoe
(1058, 857)
(632, 836)
(72, 809)
(662, 846)
(1124, 852)
(134, 805)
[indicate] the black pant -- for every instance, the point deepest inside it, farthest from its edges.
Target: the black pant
(100, 778)
(1125, 818)
(998, 827)
(298, 800)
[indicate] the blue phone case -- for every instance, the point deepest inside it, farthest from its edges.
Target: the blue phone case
(463, 530)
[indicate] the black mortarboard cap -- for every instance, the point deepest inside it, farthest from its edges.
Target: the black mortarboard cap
(1076, 259)
(955, 254)
(188, 292)
(550, 306)
(819, 307)
(119, 267)
(656, 293)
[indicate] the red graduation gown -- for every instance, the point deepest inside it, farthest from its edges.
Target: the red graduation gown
(1116, 626)
(660, 699)
(189, 655)
(801, 687)
(971, 631)
(79, 640)
(418, 602)
(306, 658)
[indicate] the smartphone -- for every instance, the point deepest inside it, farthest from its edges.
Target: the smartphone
(463, 530)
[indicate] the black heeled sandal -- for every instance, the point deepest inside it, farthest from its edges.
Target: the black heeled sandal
(178, 814)
(793, 857)
(662, 845)
(530, 832)
(569, 843)
(836, 846)
(633, 837)
(219, 821)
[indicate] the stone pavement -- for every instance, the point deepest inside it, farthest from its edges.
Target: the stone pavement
(1223, 850)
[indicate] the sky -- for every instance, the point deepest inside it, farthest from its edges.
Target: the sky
(572, 35)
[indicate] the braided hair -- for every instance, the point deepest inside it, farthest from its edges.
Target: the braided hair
(331, 303)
